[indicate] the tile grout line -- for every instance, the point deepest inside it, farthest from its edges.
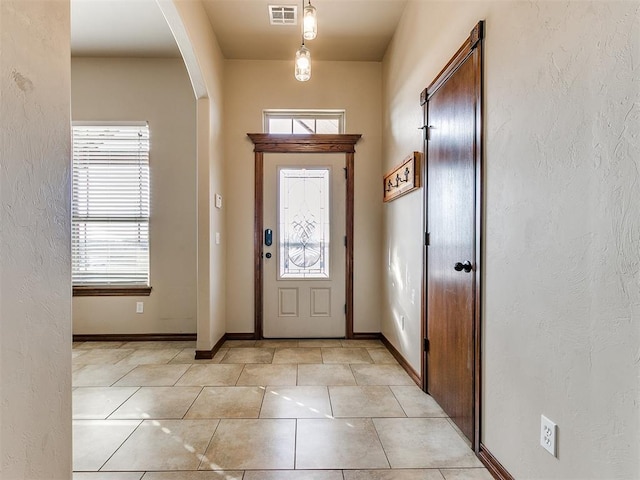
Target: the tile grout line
(126, 356)
(120, 446)
(130, 370)
(264, 396)
(333, 415)
(242, 474)
(192, 403)
(204, 453)
(225, 354)
(122, 403)
(398, 400)
(381, 444)
(173, 358)
(183, 374)
(354, 374)
(244, 367)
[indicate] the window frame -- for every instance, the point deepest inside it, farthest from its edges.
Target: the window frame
(284, 114)
(108, 288)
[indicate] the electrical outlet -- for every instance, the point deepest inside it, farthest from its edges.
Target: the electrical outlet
(139, 307)
(548, 434)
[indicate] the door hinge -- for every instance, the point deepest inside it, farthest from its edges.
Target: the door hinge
(427, 238)
(345, 308)
(346, 172)
(426, 344)
(345, 240)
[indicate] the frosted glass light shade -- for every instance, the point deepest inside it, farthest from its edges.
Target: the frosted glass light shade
(309, 22)
(303, 64)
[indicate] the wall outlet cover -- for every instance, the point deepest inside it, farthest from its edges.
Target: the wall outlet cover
(548, 435)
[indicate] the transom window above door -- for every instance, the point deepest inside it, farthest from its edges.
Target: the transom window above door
(304, 121)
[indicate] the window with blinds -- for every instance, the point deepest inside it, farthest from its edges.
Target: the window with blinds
(110, 210)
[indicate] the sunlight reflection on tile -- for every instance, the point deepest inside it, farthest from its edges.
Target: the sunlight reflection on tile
(359, 446)
(158, 402)
(296, 402)
(252, 444)
(278, 419)
(94, 441)
(160, 445)
(194, 475)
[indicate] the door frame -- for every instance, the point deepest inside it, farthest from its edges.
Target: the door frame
(472, 45)
(307, 143)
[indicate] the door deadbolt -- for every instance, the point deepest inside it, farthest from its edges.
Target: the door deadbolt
(466, 266)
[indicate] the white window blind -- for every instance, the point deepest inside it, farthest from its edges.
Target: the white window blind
(110, 211)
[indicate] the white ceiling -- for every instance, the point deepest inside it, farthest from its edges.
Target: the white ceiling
(358, 30)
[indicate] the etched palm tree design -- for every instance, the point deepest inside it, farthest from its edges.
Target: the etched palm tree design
(304, 250)
(304, 223)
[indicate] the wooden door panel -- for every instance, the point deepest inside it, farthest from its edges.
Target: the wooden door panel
(451, 213)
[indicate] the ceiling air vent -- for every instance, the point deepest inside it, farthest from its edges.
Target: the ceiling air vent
(283, 14)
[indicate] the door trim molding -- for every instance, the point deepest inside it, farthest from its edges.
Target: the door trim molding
(471, 50)
(311, 143)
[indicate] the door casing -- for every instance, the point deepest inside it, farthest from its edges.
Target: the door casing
(472, 47)
(311, 143)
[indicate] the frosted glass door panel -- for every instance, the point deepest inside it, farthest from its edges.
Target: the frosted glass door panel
(303, 223)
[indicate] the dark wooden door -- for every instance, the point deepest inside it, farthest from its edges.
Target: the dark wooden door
(452, 192)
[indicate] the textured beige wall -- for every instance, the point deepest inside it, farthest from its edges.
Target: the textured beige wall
(158, 91)
(35, 246)
(202, 56)
(561, 313)
(251, 87)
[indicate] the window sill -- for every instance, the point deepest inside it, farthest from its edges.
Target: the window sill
(111, 291)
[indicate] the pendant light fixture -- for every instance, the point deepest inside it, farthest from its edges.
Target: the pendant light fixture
(303, 63)
(303, 55)
(309, 22)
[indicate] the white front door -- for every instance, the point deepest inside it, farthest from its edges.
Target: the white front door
(304, 267)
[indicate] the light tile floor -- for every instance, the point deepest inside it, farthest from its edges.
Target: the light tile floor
(259, 410)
